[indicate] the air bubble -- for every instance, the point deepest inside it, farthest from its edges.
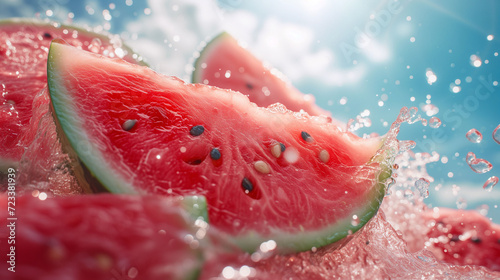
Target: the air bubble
(478, 165)
(474, 136)
(490, 183)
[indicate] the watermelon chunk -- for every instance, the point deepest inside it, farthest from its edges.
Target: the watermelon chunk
(225, 64)
(24, 45)
(267, 173)
(103, 237)
(463, 238)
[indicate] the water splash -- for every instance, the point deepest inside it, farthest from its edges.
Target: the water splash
(474, 136)
(478, 165)
(496, 134)
(422, 186)
(490, 183)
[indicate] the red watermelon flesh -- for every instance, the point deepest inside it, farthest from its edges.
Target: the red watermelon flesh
(137, 131)
(24, 45)
(103, 237)
(463, 238)
(225, 64)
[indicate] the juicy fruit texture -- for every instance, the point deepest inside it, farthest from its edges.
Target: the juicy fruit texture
(24, 45)
(225, 64)
(377, 251)
(464, 238)
(266, 173)
(104, 237)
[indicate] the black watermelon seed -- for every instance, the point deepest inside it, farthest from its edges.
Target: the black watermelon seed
(47, 35)
(283, 147)
(476, 240)
(215, 154)
(249, 86)
(455, 238)
(129, 124)
(306, 136)
(367, 242)
(197, 130)
(247, 185)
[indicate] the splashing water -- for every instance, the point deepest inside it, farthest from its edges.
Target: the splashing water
(474, 136)
(490, 183)
(422, 186)
(496, 134)
(478, 165)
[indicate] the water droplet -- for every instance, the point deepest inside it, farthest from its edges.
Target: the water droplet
(474, 136)
(422, 186)
(355, 220)
(431, 77)
(475, 60)
(461, 203)
(430, 109)
(132, 272)
(496, 134)
(227, 74)
(95, 45)
(483, 209)
(478, 165)
(434, 122)
(490, 183)
(406, 145)
(291, 155)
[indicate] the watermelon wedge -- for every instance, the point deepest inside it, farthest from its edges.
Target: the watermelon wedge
(463, 238)
(225, 64)
(267, 173)
(103, 237)
(24, 45)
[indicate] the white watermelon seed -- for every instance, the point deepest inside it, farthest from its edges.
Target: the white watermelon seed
(262, 167)
(324, 156)
(276, 150)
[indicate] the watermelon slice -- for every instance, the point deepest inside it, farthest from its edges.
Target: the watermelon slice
(463, 238)
(103, 237)
(24, 45)
(225, 64)
(266, 173)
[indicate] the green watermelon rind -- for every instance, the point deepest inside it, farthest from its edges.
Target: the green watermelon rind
(52, 24)
(74, 140)
(197, 208)
(306, 240)
(198, 72)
